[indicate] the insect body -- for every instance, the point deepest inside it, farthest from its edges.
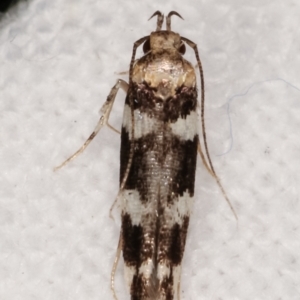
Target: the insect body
(159, 142)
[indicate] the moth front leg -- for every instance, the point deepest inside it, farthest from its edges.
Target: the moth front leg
(105, 112)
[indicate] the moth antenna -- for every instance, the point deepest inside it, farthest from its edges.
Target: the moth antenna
(160, 19)
(171, 13)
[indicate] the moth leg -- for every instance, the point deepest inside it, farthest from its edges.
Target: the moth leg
(113, 271)
(204, 160)
(122, 84)
(225, 195)
(213, 174)
(105, 112)
(122, 73)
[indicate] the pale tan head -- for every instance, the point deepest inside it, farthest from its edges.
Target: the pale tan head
(164, 39)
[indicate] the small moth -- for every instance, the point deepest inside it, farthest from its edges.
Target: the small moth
(159, 145)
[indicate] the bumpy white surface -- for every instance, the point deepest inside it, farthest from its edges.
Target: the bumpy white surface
(58, 63)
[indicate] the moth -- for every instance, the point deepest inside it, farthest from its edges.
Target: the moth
(158, 158)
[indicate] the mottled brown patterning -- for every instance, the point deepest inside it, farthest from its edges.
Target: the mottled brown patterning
(159, 141)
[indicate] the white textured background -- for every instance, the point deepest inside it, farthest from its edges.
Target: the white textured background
(58, 61)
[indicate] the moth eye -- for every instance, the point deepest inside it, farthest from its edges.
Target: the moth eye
(182, 49)
(146, 46)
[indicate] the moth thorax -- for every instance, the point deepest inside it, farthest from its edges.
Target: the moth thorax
(164, 40)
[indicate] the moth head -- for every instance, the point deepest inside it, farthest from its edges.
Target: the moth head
(164, 39)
